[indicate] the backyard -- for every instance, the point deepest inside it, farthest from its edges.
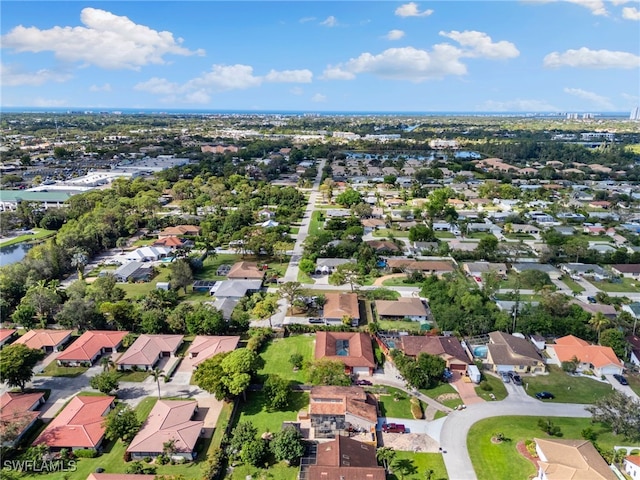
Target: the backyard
(399, 326)
(492, 461)
(254, 410)
(416, 465)
(394, 402)
(567, 388)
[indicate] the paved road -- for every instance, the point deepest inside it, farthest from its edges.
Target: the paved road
(453, 436)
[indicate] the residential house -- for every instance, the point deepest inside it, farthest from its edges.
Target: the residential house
(633, 309)
(147, 350)
(179, 231)
(345, 459)
(172, 243)
(325, 266)
(608, 311)
(80, 424)
(405, 308)
(245, 271)
(18, 412)
(599, 204)
(428, 267)
(627, 270)
(585, 270)
(169, 420)
(479, 227)
(46, 340)
(339, 306)
(602, 360)
(333, 410)
(570, 459)
(354, 349)
(511, 353)
(524, 228)
(448, 348)
(634, 357)
(382, 247)
(565, 230)
(371, 224)
(148, 254)
(476, 269)
(631, 466)
(133, 272)
(6, 336)
(204, 347)
(553, 272)
(86, 349)
(235, 288)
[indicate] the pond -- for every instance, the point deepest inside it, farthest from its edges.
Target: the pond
(14, 253)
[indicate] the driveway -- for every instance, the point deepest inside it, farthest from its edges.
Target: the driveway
(455, 430)
(209, 410)
(466, 390)
(626, 389)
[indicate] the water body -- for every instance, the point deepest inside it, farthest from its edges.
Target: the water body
(14, 253)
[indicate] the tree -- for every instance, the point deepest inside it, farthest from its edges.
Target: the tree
(328, 372)
(122, 423)
(534, 279)
(121, 242)
(615, 339)
(277, 391)
(598, 322)
(24, 315)
(346, 273)
(228, 374)
(620, 412)
(181, 274)
(16, 364)
(386, 456)
(79, 260)
(290, 291)
(576, 246)
(307, 266)
(105, 382)
(266, 307)
(254, 452)
(157, 374)
(349, 198)
(487, 246)
(241, 435)
(296, 360)
(490, 283)
(287, 445)
(421, 233)
(107, 364)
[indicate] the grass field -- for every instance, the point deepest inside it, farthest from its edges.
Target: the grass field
(572, 284)
(276, 356)
(400, 282)
(634, 382)
(40, 234)
(497, 389)
(133, 376)
(444, 235)
(315, 223)
(389, 407)
(444, 394)
(211, 264)
(279, 471)
(256, 411)
(399, 326)
(419, 463)
(54, 370)
(567, 388)
(385, 233)
(626, 285)
(135, 290)
(494, 461)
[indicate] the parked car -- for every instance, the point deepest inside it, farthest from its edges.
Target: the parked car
(393, 428)
(316, 320)
(505, 377)
(545, 396)
(621, 380)
(592, 300)
(515, 378)
(363, 382)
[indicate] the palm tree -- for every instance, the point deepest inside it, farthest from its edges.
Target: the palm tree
(386, 456)
(157, 374)
(598, 322)
(107, 364)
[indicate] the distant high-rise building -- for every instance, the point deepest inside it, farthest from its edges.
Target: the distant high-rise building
(635, 114)
(572, 116)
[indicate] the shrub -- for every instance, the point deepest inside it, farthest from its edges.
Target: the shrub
(531, 447)
(147, 459)
(486, 386)
(162, 459)
(85, 453)
(416, 409)
(296, 360)
(589, 434)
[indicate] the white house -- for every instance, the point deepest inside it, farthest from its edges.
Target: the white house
(632, 466)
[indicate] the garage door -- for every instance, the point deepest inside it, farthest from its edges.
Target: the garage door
(361, 370)
(504, 368)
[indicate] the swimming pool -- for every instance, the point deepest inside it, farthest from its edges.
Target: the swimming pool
(480, 351)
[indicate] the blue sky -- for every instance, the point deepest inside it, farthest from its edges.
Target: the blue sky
(533, 55)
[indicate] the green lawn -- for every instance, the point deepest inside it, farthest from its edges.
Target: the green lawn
(385, 232)
(211, 264)
(498, 461)
(135, 290)
(315, 223)
(389, 407)
(40, 234)
(304, 278)
(519, 236)
(444, 235)
(131, 376)
(572, 284)
(54, 370)
(480, 235)
(444, 394)
(400, 282)
(143, 242)
(626, 285)
(510, 281)
(634, 382)
(279, 471)
(400, 326)
(421, 462)
(294, 230)
(497, 388)
(567, 388)
(276, 356)
(524, 297)
(255, 411)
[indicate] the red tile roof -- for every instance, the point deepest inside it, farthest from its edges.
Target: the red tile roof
(346, 459)
(568, 347)
(360, 350)
(16, 409)
(38, 339)
(79, 424)
(334, 400)
(340, 304)
(6, 333)
(147, 348)
(91, 343)
(245, 270)
(204, 347)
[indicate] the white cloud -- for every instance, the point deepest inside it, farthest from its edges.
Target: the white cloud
(405, 63)
(289, 76)
(330, 21)
(394, 35)
(481, 45)
(411, 10)
(596, 100)
(631, 13)
(307, 19)
(12, 76)
(518, 105)
(220, 78)
(107, 40)
(586, 58)
(597, 7)
(100, 88)
(319, 98)
(619, 2)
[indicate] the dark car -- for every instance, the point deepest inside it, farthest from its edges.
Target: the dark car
(316, 320)
(363, 382)
(393, 428)
(592, 299)
(545, 396)
(620, 379)
(515, 378)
